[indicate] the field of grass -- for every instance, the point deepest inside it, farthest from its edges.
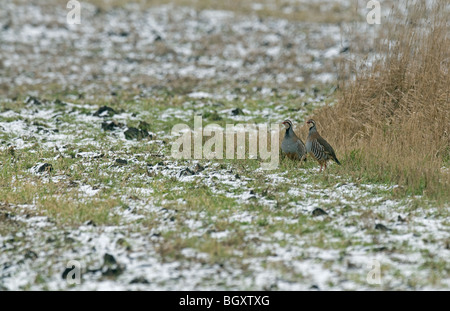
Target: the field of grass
(77, 184)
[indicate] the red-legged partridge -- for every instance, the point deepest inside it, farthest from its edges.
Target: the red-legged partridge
(318, 148)
(292, 146)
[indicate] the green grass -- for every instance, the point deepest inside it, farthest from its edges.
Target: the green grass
(210, 205)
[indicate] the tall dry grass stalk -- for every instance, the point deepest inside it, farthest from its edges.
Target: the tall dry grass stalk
(392, 119)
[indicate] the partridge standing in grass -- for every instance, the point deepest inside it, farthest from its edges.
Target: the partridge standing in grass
(292, 146)
(319, 148)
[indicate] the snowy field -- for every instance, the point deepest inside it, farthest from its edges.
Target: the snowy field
(99, 186)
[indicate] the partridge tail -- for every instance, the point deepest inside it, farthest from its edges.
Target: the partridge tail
(336, 160)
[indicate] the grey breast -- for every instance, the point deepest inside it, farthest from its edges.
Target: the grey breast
(288, 146)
